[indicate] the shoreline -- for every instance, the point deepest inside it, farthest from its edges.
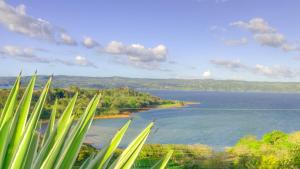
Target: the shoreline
(127, 114)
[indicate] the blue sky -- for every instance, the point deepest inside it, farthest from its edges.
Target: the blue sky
(191, 39)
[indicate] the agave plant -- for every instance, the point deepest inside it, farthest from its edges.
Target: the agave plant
(23, 146)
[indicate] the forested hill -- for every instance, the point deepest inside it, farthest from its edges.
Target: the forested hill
(171, 84)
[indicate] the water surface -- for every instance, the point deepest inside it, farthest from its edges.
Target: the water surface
(220, 119)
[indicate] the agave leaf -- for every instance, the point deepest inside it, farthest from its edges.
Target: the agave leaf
(51, 157)
(73, 143)
(72, 147)
(87, 162)
(32, 151)
(21, 152)
(103, 157)
(136, 152)
(55, 135)
(8, 109)
(132, 148)
(66, 114)
(58, 132)
(83, 117)
(161, 164)
(51, 123)
(20, 119)
(4, 140)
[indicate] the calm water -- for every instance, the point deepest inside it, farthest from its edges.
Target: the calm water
(219, 120)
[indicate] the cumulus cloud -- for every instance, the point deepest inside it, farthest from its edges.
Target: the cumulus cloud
(270, 39)
(265, 34)
(206, 74)
(82, 61)
(15, 19)
(88, 42)
(236, 42)
(268, 71)
(137, 52)
(138, 55)
(67, 39)
(255, 25)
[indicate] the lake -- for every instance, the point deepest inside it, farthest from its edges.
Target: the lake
(220, 119)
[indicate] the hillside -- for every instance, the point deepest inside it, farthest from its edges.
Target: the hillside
(169, 84)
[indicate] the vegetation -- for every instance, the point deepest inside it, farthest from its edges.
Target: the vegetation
(166, 84)
(23, 146)
(184, 156)
(275, 150)
(113, 101)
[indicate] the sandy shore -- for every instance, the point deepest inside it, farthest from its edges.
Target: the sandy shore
(117, 116)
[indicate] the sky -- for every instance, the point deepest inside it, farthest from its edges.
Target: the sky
(254, 40)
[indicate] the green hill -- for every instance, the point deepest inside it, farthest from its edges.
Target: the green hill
(169, 84)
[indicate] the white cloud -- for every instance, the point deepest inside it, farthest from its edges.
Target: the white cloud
(82, 61)
(137, 52)
(20, 53)
(270, 39)
(255, 25)
(290, 47)
(265, 34)
(89, 42)
(236, 42)
(206, 74)
(138, 55)
(228, 64)
(15, 19)
(77, 61)
(268, 71)
(275, 71)
(67, 39)
(29, 55)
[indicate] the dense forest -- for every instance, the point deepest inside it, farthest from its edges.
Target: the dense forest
(113, 102)
(166, 84)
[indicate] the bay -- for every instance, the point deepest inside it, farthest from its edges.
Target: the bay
(220, 119)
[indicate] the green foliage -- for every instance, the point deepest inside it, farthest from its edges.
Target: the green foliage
(275, 150)
(275, 137)
(113, 101)
(183, 157)
(22, 146)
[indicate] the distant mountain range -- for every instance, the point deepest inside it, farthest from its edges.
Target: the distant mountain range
(169, 84)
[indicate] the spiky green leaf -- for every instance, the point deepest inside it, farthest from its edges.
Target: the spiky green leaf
(161, 164)
(22, 150)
